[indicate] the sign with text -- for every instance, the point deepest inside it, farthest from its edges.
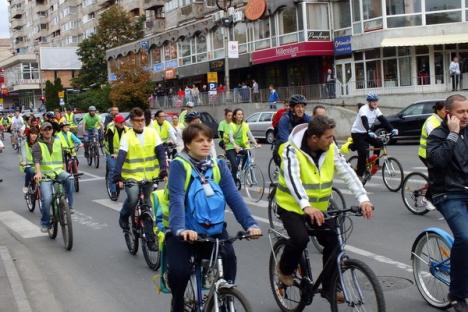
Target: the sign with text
(318, 35)
(212, 88)
(158, 67)
(343, 46)
(310, 48)
(61, 94)
(233, 49)
(212, 77)
(216, 65)
(255, 9)
(170, 74)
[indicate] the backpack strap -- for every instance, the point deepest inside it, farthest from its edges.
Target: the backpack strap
(189, 170)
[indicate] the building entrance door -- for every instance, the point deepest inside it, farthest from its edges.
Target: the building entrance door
(343, 77)
(463, 61)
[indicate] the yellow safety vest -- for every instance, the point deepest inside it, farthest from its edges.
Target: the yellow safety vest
(29, 157)
(115, 139)
(163, 130)
(434, 120)
(70, 119)
(240, 134)
(51, 162)
(141, 162)
(316, 182)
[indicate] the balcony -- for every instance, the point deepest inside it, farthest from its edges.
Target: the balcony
(155, 26)
(106, 3)
(152, 4)
(16, 12)
(17, 23)
(193, 11)
(42, 33)
(41, 7)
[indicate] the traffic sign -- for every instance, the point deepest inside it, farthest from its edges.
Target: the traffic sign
(61, 94)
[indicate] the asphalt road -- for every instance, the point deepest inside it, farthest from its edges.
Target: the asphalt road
(100, 275)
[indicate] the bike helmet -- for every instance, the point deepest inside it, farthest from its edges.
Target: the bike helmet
(372, 97)
(50, 115)
(63, 124)
(92, 108)
(191, 116)
(297, 99)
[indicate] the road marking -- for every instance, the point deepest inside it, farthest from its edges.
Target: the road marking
(261, 203)
(88, 221)
(16, 285)
(109, 204)
(91, 179)
(91, 175)
(420, 168)
(21, 225)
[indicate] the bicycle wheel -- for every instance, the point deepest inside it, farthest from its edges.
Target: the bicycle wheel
(90, 155)
(114, 196)
(131, 237)
(76, 178)
(338, 199)
(30, 198)
(230, 300)
(273, 217)
(362, 287)
(152, 258)
(190, 301)
(273, 171)
(413, 192)
(53, 227)
(66, 223)
(392, 174)
(352, 161)
(431, 268)
(289, 299)
(96, 156)
(254, 183)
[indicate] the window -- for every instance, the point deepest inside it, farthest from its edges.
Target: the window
(317, 16)
(266, 117)
(170, 51)
(395, 7)
(261, 29)
(404, 21)
(342, 18)
(287, 21)
(357, 28)
(240, 34)
(443, 18)
(200, 48)
(185, 52)
(218, 39)
(144, 60)
(155, 55)
(415, 109)
(360, 78)
(437, 5)
(253, 118)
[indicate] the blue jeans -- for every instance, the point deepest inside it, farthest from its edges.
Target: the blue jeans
(454, 208)
(110, 173)
(46, 195)
(28, 175)
(132, 199)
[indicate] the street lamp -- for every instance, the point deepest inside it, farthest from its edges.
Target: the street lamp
(226, 22)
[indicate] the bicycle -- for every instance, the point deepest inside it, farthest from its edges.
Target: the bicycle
(358, 283)
(114, 196)
(16, 141)
(414, 191)
(72, 165)
(2, 133)
(93, 151)
(275, 222)
(33, 195)
(60, 213)
(430, 256)
(208, 276)
(138, 221)
(391, 168)
(273, 171)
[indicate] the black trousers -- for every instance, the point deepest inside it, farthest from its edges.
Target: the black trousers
(179, 255)
(295, 225)
(231, 155)
(428, 195)
(361, 143)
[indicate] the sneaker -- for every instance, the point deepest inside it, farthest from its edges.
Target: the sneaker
(287, 280)
(72, 211)
(44, 229)
(458, 305)
(25, 189)
(426, 203)
(124, 224)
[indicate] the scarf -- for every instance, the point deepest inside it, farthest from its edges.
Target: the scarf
(201, 165)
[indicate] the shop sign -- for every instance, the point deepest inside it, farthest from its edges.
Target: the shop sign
(343, 46)
(144, 45)
(318, 35)
(61, 94)
(217, 65)
(170, 74)
(212, 77)
(255, 9)
(310, 48)
(212, 88)
(233, 49)
(158, 67)
(170, 64)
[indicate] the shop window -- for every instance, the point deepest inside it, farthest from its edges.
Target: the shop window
(437, 5)
(439, 67)
(396, 7)
(404, 66)
(404, 21)
(389, 52)
(374, 74)
(422, 63)
(358, 56)
(390, 69)
(341, 15)
(463, 46)
(438, 47)
(360, 77)
(402, 51)
(443, 18)
(155, 55)
(317, 16)
(422, 50)
(373, 54)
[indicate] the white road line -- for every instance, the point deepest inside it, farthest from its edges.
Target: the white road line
(419, 168)
(109, 204)
(20, 225)
(84, 219)
(90, 174)
(91, 179)
(261, 203)
(16, 284)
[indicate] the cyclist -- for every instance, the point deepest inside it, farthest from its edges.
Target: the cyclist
(68, 140)
(70, 119)
(164, 128)
(178, 132)
(50, 118)
(223, 128)
(17, 126)
(198, 139)
(362, 134)
(113, 111)
(141, 157)
(188, 108)
(448, 172)
(239, 137)
(319, 110)
(91, 125)
(114, 132)
(193, 118)
(309, 161)
(26, 164)
(48, 160)
(58, 116)
(6, 122)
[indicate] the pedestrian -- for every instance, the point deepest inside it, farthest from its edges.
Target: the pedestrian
(273, 97)
(330, 84)
(180, 97)
(446, 156)
(188, 94)
(160, 95)
(454, 70)
(196, 95)
(255, 91)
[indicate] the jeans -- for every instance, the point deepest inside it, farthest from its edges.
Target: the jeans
(361, 144)
(87, 135)
(29, 173)
(454, 208)
(455, 81)
(46, 195)
(110, 173)
(179, 254)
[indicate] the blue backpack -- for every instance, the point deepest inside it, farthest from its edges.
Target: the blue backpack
(204, 200)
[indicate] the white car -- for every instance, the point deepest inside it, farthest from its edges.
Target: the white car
(260, 126)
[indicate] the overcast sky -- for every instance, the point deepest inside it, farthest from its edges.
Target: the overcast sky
(4, 33)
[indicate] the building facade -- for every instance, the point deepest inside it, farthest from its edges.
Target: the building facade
(388, 46)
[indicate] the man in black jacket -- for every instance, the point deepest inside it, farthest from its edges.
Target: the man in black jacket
(447, 155)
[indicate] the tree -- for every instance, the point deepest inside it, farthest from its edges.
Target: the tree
(116, 27)
(98, 97)
(51, 93)
(132, 87)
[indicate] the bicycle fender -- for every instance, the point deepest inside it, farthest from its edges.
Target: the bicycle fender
(442, 233)
(222, 283)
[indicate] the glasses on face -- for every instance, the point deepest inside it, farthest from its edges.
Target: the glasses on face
(161, 116)
(138, 120)
(47, 129)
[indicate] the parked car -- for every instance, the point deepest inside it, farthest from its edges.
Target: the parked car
(260, 125)
(409, 120)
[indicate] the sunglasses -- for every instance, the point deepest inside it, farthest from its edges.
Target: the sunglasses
(138, 119)
(47, 129)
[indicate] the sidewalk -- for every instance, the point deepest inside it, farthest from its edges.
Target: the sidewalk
(24, 288)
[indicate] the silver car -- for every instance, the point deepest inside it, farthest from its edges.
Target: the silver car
(260, 125)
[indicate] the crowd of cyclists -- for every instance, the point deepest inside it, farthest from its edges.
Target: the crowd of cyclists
(181, 152)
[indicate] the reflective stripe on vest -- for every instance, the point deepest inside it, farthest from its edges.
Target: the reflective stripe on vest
(317, 183)
(434, 121)
(115, 139)
(51, 162)
(141, 162)
(163, 130)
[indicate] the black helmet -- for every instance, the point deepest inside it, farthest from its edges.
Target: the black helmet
(191, 116)
(50, 115)
(297, 99)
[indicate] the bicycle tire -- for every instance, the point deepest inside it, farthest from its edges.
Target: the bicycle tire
(423, 276)
(338, 199)
(152, 258)
(66, 223)
(226, 296)
(114, 196)
(254, 183)
(76, 177)
(281, 293)
(131, 237)
(357, 288)
(96, 156)
(411, 195)
(391, 167)
(273, 218)
(190, 301)
(30, 198)
(352, 161)
(53, 227)
(89, 159)
(273, 171)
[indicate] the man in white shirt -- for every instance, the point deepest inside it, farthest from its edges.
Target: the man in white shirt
(17, 126)
(454, 70)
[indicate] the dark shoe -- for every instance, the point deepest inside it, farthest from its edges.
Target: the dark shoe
(286, 280)
(152, 246)
(124, 224)
(72, 211)
(86, 154)
(458, 304)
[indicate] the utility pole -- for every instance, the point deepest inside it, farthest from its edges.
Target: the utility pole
(226, 23)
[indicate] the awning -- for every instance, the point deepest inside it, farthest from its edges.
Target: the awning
(424, 40)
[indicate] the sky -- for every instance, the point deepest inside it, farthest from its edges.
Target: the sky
(4, 32)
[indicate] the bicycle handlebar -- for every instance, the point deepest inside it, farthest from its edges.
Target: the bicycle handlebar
(353, 210)
(239, 236)
(142, 182)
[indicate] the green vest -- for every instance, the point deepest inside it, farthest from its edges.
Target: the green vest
(115, 139)
(51, 162)
(70, 119)
(317, 183)
(163, 130)
(29, 157)
(240, 134)
(141, 162)
(434, 121)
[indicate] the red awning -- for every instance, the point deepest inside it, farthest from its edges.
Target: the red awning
(290, 51)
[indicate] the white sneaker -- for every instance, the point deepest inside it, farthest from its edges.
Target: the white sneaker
(428, 205)
(25, 189)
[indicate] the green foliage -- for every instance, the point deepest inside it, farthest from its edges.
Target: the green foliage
(98, 97)
(51, 93)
